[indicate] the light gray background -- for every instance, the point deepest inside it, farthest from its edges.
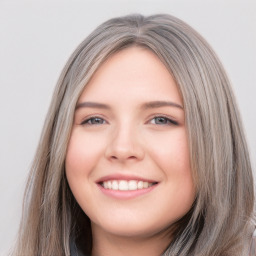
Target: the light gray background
(37, 37)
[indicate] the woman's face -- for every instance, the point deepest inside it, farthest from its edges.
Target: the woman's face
(127, 162)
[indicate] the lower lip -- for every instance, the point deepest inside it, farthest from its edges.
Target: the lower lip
(126, 194)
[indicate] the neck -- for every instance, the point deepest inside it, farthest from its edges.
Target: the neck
(105, 244)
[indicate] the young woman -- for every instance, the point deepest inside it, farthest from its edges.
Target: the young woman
(142, 152)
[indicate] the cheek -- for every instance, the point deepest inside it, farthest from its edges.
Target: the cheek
(76, 157)
(82, 156)
(81, 159)
(170, 152)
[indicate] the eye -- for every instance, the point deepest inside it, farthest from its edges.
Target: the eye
(162, 120)
(93, 121)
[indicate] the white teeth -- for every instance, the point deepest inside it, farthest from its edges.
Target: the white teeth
(115, 185)
(145, 184)
(125, 185)
(109, 184)
(133, 185)
(140, 184)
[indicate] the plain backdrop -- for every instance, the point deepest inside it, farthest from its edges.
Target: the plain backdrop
(37, 37)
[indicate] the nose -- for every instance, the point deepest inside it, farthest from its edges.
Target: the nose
(125, 145)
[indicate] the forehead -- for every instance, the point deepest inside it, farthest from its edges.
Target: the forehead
(132, 72)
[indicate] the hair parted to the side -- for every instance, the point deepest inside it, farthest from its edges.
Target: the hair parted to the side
(220, 222)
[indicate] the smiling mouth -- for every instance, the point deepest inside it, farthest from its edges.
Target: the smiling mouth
(125, 185)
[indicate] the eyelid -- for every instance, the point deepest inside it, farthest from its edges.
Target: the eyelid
(171, 120)
(88, 118)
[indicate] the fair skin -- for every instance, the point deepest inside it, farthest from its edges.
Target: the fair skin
(127, 162)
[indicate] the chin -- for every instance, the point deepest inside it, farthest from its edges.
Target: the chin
(133, 228)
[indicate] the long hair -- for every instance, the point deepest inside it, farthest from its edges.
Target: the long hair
(220, 221)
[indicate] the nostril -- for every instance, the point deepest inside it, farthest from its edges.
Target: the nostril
(123, 157)
(132, 157)
(123, 152)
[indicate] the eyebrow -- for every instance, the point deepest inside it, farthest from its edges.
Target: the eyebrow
(158, 104)
(90, 104)
(147, 105)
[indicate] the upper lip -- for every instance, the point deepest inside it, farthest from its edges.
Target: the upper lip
(124, 177)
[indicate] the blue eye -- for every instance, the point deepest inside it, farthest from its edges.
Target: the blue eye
(161, 120)
(93, 121)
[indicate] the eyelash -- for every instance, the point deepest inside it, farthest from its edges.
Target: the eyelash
(100, 121)
(167, 120)
(89, 121)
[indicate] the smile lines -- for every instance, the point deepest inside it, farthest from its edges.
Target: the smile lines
(125, 185)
